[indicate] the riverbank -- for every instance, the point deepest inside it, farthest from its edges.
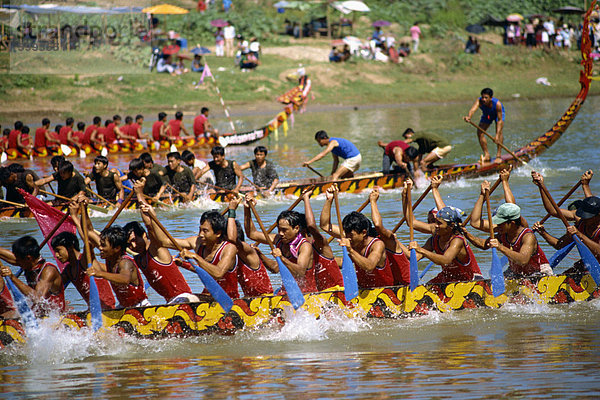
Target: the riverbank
(442, 73)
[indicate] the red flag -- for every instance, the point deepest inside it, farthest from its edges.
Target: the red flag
(47, 217)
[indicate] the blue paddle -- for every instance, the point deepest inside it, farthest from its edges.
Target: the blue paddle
(208, 281)
(496, 269)
(590, 262)
(95, 306)
(348, 271)
(26, 314)
(560, 254)
(422, 274)
(414, 266)
(289, 283)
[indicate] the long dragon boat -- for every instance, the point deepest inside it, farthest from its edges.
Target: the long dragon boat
(294, 99)
(208, 317)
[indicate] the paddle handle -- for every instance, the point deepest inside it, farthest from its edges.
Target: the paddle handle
(359, 209)
(58, 196)
(409, 215)
(84, 228)
(262, 226)
(494, 186)
(338, 214)
(121, 207)
(252, 183)
(290, 208)
(489, 212)
(101, 198)
(499, 144)
(314, 170)
(53, 231)
(419, 200)
(565, 197)
(556, 207)
(221, 189)
(175, 190)
(13, 204)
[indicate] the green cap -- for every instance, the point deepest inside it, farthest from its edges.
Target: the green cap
(506, 212)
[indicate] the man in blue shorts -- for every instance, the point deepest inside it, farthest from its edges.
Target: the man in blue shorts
(492, 111)
(339, 148)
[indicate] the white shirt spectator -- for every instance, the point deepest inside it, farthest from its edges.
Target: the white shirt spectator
(229, 32)
(549, 25)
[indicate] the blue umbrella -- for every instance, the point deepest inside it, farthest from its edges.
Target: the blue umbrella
(201, 50)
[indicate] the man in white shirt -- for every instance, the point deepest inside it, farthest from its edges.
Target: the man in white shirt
(229, 35)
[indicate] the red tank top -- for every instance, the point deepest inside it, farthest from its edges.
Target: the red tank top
(109, 133)
(380, 276)
(327, 270)
(166, 279)
(455, 271)
(12, 138)
(87, 136)
(254, 282)
(63, 134)
(55, 300)
(6, 301)
(133, 130)
(175, 125)
(82, 283)
(537, 259)
(25, 139)
(130, 295)
(400, 266)
(40, 138)
(156, 130)
(307, 283)
(228, 281)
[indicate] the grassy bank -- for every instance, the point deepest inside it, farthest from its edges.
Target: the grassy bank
(442, 72)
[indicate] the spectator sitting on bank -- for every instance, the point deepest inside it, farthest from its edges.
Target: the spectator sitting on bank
(334, 55)
(165, 64)
(197, 63)
(254, 47)
(472, 46)
(404, 49)
(248, 61)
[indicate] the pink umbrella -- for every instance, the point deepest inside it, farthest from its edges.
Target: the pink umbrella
(219, 23)
(514, 17)
(381, 22)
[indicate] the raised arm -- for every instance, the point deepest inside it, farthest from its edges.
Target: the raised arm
(435, 184)
(251, 231)
(385, 234)
(538, 180)
(417, 225)
(74, 210)
(325, 220)
(508, 195)
(477, 220)
(585, 182)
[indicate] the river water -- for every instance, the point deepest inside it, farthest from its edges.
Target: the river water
(534, 351)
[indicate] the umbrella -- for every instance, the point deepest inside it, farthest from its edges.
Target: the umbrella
(165, 9)
(539, 16)
(347, 7)
(475, 28)
(514, 17)
(199, 50)
(338, 42)
(219, 23)
(381, 22)
(170, 49)
(569, 10)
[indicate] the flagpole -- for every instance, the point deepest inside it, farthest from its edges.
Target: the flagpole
(206, 72)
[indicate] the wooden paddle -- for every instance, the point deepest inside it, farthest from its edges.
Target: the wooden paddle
(101, 198)
(314, 170)
(222, 189)
(494, 186)
(499, 144)
(94, 299)
(348, 271)
(53, 231)
(13, 204)
(564, 198)
(252, 183)
(121, 207)
(587, 256)
(92, 206)
(414, 266)
(359, 209)
(208, 281)
(289, 282)
(496, 270)
(290, 208)
(419, 200)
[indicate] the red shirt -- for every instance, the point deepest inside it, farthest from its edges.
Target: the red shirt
(3, 142)
(389, 149)
(455, 271)
(327, 270)
(12, 139)
(130, 295)
(40, 138)
(229, 281)
(25, 139)
(156, 130)
(109, 134)
(63, 135)
(55, 300)
(78, 136)
(199, 124)
(307, 283)
(133, 130)
(254, 283)
(87, 136)
(101, 135)
(175, 125)
(380, 276)
(82, 284)
(400, 266)
(166, 279)
(6, 301)
(535, 262)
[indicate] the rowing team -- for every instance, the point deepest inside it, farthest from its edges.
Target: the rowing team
(181, 176)
(97, 136)
(220, 249)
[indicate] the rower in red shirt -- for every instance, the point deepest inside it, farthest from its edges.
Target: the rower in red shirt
(76, 137)
(7, 305)
(90, 136)
(203, 128)
(63, 134)
(44, 138)
(158, 128)
(109, 132)
(14, 135)
(176, 126)
(44, 284)
(24, 141)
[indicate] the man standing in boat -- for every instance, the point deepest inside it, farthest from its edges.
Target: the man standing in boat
(226, 171)
(492, 111)
(338, 147)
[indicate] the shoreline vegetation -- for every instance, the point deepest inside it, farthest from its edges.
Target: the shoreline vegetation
(440, 73)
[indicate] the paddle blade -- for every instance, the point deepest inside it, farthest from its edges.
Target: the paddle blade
(213, 287)
(291, 286)
(104, 152)
(349, 275)
(95, 307)
(173, 148)
(496, 273)
(66, 150)
(561, 254)
(3, 157)
(503, 261)
(590, 262)
(26, 314)
(422, 274)
(414, 270)
(82, 153)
